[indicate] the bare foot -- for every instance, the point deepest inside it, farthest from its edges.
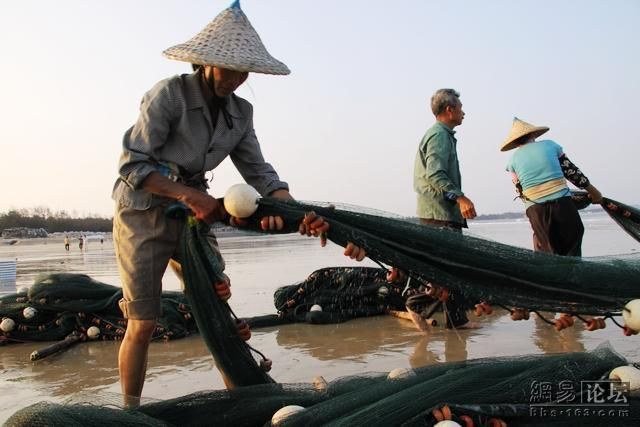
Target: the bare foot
(419, 321)
(422, 324)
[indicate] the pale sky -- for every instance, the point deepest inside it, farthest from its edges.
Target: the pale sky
(345, 125)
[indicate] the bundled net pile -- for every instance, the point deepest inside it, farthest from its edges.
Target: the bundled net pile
(334, 295)
(64, 306)
(484, 391)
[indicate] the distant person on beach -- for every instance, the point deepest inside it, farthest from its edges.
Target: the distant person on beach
(441, 202)
(81, 242)
(540, 170)
(188, 125)
(66, 243)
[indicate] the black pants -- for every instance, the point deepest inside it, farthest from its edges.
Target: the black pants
(455, 306)
(557, 227)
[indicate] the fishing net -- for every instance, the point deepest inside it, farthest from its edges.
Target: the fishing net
(627, 217)
(65, 306)
(337, 294)
(479, 390)
(518, 391)
(334, 295)
(217, 322)
(479, 269)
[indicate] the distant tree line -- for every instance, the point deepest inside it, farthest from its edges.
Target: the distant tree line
(53, 221)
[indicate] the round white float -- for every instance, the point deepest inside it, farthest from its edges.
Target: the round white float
(241, 200)
(319, 383)
(447, 423)
(284, 413)
(631, 314)
(400, 373)
(383, 291)
(315, 307)
(93, 332)
(627, 374)
(7, 324)
(29, 312)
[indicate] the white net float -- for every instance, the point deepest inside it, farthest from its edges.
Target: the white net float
(241, 200)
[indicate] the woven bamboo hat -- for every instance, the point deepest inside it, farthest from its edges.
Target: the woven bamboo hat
(231, 42)
(520, 129)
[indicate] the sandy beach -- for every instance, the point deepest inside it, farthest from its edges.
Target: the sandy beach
(257, 266)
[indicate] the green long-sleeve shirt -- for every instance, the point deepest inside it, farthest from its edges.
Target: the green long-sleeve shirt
(436, 172)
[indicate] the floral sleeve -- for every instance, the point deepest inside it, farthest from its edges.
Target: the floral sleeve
(572, 173)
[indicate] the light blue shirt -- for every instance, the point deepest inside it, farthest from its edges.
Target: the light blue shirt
(536, 163)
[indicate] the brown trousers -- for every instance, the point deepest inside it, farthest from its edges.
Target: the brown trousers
(557, 227)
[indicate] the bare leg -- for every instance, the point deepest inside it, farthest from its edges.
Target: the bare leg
(419, 321)
(132, 359)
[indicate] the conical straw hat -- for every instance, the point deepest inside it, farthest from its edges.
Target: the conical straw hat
(231, 42)
(520, 128)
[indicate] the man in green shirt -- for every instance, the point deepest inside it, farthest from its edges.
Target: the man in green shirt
(441, 202)
(436, 176)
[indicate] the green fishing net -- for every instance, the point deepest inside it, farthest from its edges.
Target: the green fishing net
(479, 389)
(60, 306)
(481, 270)
(516, 390)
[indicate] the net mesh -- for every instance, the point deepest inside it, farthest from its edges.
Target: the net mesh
(502, 388)
(481, 270)
(64, 305)
(479, 389)
(627, 217)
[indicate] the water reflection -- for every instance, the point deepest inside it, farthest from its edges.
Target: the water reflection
(438, 348)
(548, 340)
(351, 340)
(95, 364)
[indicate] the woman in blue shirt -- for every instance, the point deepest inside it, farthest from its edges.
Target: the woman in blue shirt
(540, 171)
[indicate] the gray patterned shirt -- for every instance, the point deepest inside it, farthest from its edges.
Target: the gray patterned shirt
(175, 127)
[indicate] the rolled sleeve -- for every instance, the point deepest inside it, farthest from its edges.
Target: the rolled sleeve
(144, 139)
(248, 159)
(437, 152)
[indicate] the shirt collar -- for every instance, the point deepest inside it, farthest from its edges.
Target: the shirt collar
(445, 127)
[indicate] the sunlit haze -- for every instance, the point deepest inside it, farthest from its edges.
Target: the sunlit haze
(345, 125)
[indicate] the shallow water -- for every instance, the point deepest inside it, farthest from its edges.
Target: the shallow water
(257, 266)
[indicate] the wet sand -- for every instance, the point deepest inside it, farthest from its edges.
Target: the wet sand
(257, 266)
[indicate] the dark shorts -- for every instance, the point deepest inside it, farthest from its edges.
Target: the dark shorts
(557, 227)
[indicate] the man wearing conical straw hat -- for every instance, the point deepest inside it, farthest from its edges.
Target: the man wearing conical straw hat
(540, 170)
(187, 126)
